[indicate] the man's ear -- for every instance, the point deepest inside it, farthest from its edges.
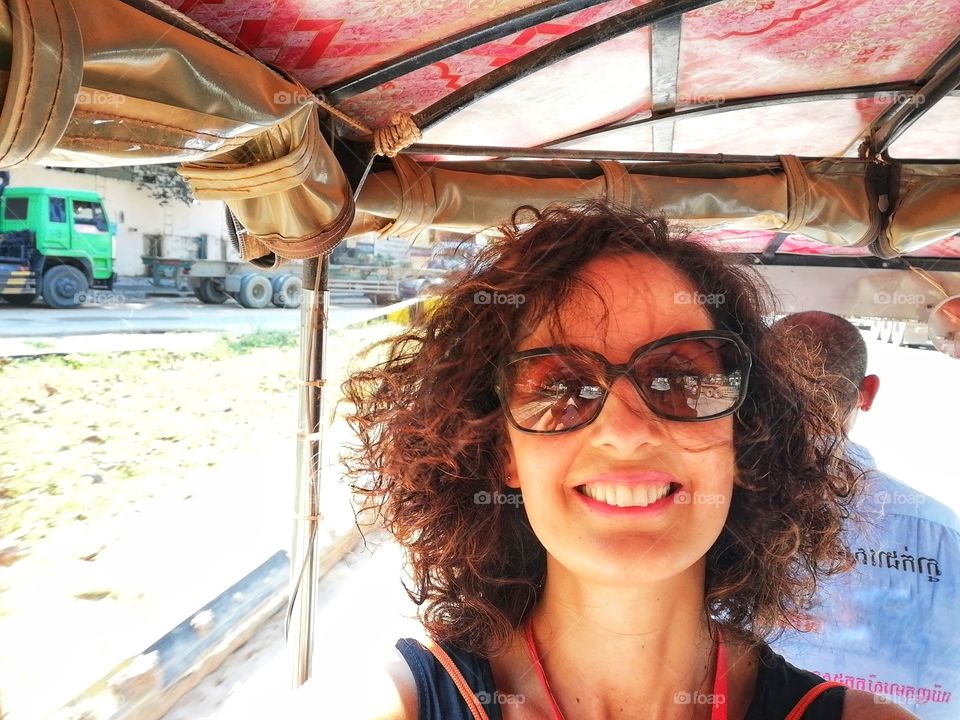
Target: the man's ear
(868, 391)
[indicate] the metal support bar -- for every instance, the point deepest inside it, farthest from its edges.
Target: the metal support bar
(499, 151)
(770, 251)
(493, 30)
(848, 93)
(863, 262)
(568, 45)
(304, 558)
(944, 77)
(664, 75)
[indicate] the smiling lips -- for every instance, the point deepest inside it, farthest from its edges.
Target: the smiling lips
(625, 495)
(629, 489)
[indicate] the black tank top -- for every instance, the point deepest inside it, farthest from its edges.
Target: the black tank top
(779, 686)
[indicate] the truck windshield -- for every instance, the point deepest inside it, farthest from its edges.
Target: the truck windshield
(89, 216)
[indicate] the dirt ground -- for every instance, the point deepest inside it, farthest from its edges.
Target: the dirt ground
(134, 487)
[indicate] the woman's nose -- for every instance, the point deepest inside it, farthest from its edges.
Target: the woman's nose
(626, 422)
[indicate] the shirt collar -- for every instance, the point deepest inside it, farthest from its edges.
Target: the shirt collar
(861, 456)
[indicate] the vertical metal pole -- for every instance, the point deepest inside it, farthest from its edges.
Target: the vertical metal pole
(304, 560)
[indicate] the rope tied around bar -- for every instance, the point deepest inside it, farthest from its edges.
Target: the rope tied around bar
(401, 132)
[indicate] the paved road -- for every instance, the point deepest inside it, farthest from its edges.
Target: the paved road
(174, 314)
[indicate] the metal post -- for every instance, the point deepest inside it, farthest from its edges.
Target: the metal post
(304, 559)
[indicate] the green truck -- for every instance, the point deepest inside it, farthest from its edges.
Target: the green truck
(56, 243)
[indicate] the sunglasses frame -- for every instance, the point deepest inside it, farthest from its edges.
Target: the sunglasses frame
(616, 371)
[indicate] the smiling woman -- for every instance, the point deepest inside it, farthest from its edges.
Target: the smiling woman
(676, 495)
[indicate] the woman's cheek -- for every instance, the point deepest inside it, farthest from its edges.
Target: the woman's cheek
(541, 460)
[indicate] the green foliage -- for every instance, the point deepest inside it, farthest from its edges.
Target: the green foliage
(163, 183)
(263, 339)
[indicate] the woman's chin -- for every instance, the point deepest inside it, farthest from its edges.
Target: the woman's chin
(633, 565)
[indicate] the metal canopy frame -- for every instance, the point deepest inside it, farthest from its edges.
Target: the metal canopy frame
(551, 53)
(941, 78)
(664, 18)
(868, 262)
(503, 152)
(664, 78)
(455, 44)
(846, 93)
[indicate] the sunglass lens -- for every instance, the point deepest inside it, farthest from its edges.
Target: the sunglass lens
(552, 393)
(692, 379)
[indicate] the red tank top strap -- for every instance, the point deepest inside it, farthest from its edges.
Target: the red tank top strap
(719, 711)
(473, 703)
(807, 700)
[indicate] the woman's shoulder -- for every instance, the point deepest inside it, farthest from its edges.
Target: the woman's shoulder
(442, 672)
(781, 686)
(382, 687)
(861, 705)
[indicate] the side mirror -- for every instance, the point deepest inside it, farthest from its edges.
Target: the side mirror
(112, 228)
(944, 327)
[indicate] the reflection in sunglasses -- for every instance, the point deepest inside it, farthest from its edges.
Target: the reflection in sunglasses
(696, 376)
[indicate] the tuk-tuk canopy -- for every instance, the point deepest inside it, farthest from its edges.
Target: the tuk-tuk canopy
(818, 127)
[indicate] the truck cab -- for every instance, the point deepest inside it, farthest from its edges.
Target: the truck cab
(57, 243)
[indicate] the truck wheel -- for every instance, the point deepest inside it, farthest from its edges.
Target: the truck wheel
(64, 287)
(287, 291)
(210, 292)
(255, 291)
(22, 300)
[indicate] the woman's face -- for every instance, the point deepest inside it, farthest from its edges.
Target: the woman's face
(627, 456)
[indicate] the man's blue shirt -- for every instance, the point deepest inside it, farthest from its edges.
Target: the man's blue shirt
(892, 625)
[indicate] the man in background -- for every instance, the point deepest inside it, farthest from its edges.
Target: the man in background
(890, 626)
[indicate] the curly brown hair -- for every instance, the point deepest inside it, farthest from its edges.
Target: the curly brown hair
(432, 435)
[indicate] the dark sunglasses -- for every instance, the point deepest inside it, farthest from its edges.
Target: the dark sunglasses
(689, 377)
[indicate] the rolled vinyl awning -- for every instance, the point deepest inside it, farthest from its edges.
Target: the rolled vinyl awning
(104, 84)
(830, 201)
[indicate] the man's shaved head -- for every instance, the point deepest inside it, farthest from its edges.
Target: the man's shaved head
(838, 342)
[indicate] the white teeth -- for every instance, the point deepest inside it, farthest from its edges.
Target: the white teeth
(625, 495)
